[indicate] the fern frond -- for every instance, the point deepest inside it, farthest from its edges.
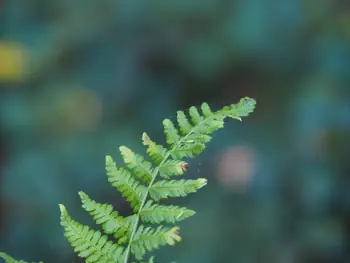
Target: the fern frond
(175, 188)
(91, 245)
(104, 215)
(137, 164)
(122, 179)
(155, 213)
(9, 259)
(156, 152)
(187, 138)
(197, 135)
(147, 239)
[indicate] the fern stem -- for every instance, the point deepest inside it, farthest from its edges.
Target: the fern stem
(154, 175)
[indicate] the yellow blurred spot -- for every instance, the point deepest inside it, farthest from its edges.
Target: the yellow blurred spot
(12, 59)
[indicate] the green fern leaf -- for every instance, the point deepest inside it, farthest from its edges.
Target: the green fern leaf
(172, 167)
(216, 123)
(188, 150)
(131, 189)
(196, 137)
(184, 124)
(175, 188)
(156, 152)
(147, 239)
(241, 109)
(172, 134)
(195, 116)
(137, 164)
(104, 215)
(205, 124)
(9, 259)
(155, 214)
(91, 245)
(206, 110)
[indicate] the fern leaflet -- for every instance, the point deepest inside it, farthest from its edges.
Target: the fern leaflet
(147, 239)
(127, 185)
(137, 164)
(91, 245)
(105, 215)
(175, 188)
(156, 214)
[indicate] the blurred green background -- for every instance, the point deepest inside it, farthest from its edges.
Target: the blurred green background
(80, 77)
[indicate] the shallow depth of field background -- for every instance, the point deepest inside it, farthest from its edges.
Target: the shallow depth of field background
(78, 78)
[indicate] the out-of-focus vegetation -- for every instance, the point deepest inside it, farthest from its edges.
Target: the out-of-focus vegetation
(80, 77)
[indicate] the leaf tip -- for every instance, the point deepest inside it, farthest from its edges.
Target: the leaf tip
(108, 159)
(62, 208)
(176, 233)
(166, 122)
(201, 182)
(145, 138)
(122, 148)
(82, 195)
(248, 101)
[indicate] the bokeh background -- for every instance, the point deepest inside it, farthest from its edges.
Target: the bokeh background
(78, 78)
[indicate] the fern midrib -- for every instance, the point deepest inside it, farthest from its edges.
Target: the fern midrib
(154, 175)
